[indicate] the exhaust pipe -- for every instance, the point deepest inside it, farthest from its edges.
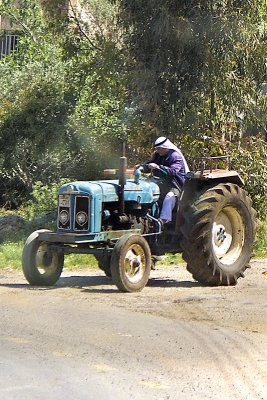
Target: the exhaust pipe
(122, 179)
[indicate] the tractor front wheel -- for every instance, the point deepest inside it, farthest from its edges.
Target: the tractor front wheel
(41, 265)
(131, 263)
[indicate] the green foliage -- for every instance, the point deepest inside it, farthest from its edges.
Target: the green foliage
(261, 245)
(171, 259)
(62, 92)
(35, 101)
(10, 255)
(43, 200)
(194, 63)
(251, 161)
(80, 261)
(33, 121)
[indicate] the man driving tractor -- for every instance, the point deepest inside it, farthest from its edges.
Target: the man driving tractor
(169, 164)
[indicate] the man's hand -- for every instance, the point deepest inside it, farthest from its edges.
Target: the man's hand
(153, 166)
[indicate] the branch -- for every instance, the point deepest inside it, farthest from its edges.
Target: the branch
(96, 23)
(25, 27)
(81, 28)
(23, 175)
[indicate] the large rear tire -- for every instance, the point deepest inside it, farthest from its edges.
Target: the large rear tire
(218, 235)
(131, 263)
(41, 266)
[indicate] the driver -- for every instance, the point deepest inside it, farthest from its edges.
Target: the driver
(169, 164)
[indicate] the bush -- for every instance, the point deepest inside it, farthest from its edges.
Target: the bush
(43, 201)
(251, 161)
(261, 245)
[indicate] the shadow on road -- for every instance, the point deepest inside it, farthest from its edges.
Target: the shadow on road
(159, 282)
(70, 281)
(96, 284)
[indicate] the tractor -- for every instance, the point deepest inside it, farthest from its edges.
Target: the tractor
(117, 220)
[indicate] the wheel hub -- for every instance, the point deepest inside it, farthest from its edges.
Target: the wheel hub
(219, 235)
(228, 235)
(134, 263)
(46, 261)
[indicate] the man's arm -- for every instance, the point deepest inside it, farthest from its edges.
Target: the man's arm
(149, 165)
(175, 165)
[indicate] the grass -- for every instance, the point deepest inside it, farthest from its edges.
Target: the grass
(80, 261)
(261, 245)
(171, 259)
(10, 254)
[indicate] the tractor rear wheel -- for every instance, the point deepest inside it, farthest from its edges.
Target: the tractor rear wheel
(218, 235)
(131, 263)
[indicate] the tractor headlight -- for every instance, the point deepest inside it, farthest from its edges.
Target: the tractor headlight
(81, 218)
(70, 188)
(64, 217)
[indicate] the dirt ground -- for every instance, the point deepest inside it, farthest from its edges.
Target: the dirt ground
(175, 340)
(171, 293)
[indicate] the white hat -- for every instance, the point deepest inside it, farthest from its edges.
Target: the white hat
(165, 143)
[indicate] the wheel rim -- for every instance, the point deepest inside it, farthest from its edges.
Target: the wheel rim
(135, 263)
(46, 261)
(228, 235)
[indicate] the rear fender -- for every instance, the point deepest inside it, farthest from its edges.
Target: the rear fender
(197, 181)
(222, 176)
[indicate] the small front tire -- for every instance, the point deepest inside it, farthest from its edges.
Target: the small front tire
(41, 266)
(131, 263)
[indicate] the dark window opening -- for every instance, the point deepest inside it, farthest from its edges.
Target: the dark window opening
(8, 44)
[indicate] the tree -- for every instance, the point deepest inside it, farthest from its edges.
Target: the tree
(62, 94)
(195, 64)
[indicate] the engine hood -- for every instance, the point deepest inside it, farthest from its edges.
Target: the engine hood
(146, 191)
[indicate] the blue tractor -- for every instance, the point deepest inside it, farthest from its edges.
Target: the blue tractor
(116, 220)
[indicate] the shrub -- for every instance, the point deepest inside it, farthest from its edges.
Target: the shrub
(261, 245)
(44, 200)
(251, 161)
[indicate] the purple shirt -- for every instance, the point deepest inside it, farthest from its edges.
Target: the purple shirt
(171, 168)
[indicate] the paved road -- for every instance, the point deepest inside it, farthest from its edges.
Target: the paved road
(175, 340)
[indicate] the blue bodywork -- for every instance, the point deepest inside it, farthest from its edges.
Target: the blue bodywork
(146, 191)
